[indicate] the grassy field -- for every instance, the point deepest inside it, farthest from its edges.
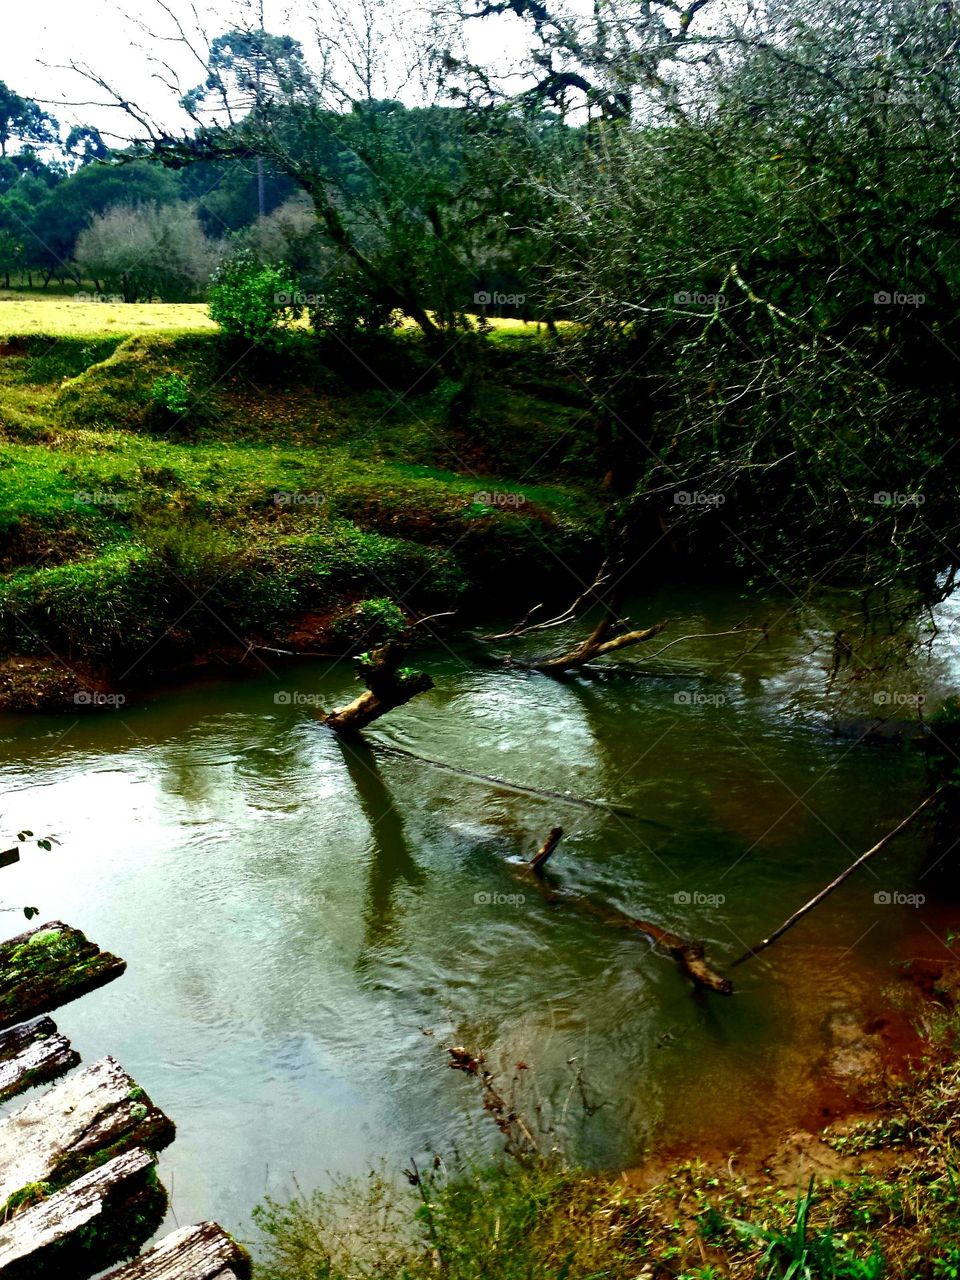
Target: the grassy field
(63, 317)
(144, 465)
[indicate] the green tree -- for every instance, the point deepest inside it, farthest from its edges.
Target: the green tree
(23, 121)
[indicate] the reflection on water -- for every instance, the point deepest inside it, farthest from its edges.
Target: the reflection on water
(296, 911)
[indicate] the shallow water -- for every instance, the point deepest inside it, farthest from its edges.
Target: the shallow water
(296, 915)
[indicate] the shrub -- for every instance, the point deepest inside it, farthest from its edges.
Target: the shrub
(172, 394)
(252, 302)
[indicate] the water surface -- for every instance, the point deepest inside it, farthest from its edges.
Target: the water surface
(306, 925)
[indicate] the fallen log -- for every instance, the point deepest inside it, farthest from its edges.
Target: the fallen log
(63, 1133)
(388, 686)
(597, 645)
(101, 1218)
(690, 954)
(204, 1252)
(31, 1054)
(836, 883)
(48, 967)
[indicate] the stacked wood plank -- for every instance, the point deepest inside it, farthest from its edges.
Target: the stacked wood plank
(62, 1133)
(78, 1184)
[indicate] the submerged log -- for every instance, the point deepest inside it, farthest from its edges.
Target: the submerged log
(388, 686)
(101, 1218)
(48, 967)
(689, 953)
(504, 785)
(204, 1252)
(61, 1134)
(539, 859)
(31, 1054)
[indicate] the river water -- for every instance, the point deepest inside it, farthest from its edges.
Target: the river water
(307, 925)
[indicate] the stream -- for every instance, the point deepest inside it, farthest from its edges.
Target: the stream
(308, 925)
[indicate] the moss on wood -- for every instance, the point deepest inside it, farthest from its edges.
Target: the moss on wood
(48, 967)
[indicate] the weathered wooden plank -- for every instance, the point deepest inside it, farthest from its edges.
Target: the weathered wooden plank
(16, 1038)
(101, 1218)
(33, 1053)
(204, 1252)
(58, 1136)
(47, 967)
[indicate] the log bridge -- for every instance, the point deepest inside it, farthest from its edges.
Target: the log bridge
(79, 1190)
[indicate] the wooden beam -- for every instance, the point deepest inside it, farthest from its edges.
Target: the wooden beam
(47, 967)
(33, 1053)
(101, 1218)
(204, 1252)
(61, 1134)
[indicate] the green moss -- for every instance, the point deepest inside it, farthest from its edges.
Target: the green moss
(27, 1196)
(47, 969)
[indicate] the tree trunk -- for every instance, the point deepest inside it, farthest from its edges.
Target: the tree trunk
(388, 686)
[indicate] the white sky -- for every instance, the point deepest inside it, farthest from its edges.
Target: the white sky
(41, 37)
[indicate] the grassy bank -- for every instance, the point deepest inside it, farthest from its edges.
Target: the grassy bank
(886, 1204)
(163, 495)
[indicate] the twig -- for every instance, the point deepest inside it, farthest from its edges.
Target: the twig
(835, 884)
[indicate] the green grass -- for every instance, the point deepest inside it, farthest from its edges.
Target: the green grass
(305, 483)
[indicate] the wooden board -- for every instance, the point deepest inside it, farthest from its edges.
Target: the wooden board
(47, 967)
(59, 1135)
(99, 1219)
(33, 1053)
(204, 1252)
